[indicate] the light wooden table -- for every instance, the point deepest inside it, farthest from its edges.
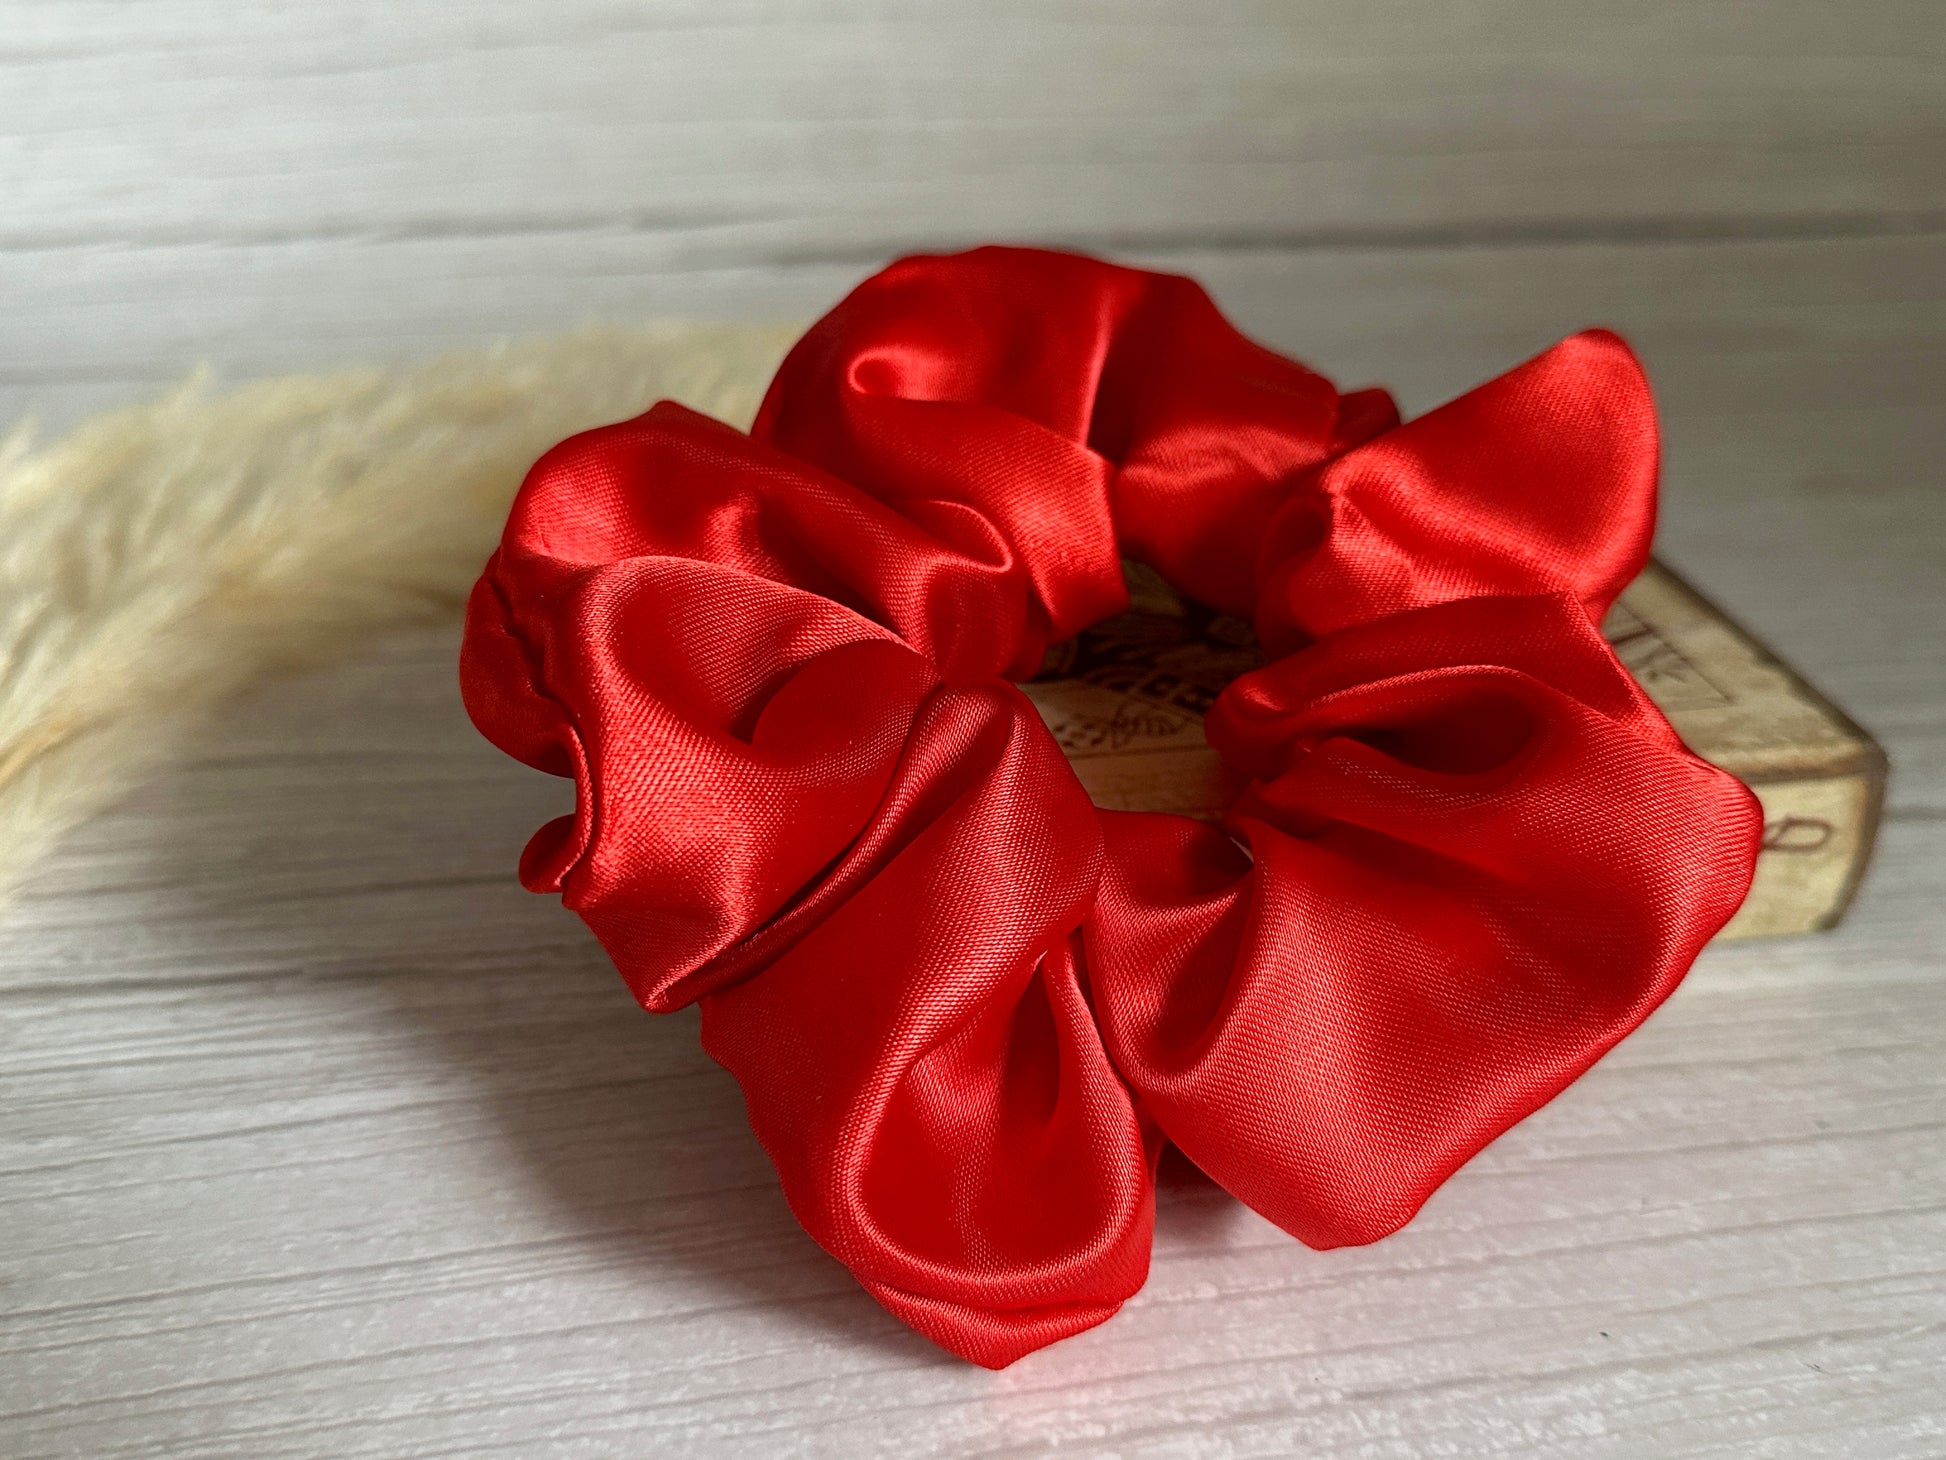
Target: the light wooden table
(320, 1138)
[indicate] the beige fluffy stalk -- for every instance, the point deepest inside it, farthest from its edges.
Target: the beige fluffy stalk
(161, 558)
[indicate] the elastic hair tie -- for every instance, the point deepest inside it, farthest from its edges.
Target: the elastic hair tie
(966, 1006)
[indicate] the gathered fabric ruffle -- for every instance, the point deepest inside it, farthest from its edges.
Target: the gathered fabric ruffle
(966, 1006)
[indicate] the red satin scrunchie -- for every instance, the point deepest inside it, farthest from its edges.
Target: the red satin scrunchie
(966, 1006)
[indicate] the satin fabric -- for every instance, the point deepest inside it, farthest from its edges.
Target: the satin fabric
(967, 1007)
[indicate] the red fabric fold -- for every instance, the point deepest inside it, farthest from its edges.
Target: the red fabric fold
(966, 1006)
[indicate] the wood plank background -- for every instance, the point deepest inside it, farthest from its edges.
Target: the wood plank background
(318, 1137)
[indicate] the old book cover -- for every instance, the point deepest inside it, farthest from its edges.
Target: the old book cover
(1126, 699)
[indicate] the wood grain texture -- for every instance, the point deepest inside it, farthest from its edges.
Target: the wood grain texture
(320, 1138)
(767, 126)
(272, 184)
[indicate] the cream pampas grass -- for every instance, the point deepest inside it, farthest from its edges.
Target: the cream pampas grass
(161, 558)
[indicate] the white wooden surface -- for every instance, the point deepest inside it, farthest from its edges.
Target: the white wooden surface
(320, 1138)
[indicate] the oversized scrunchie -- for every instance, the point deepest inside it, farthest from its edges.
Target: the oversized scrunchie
(965, 1006)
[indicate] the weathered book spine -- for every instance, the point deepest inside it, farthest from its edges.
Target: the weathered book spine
(1126, 700)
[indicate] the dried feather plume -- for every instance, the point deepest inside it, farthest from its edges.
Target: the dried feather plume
(163, 557)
